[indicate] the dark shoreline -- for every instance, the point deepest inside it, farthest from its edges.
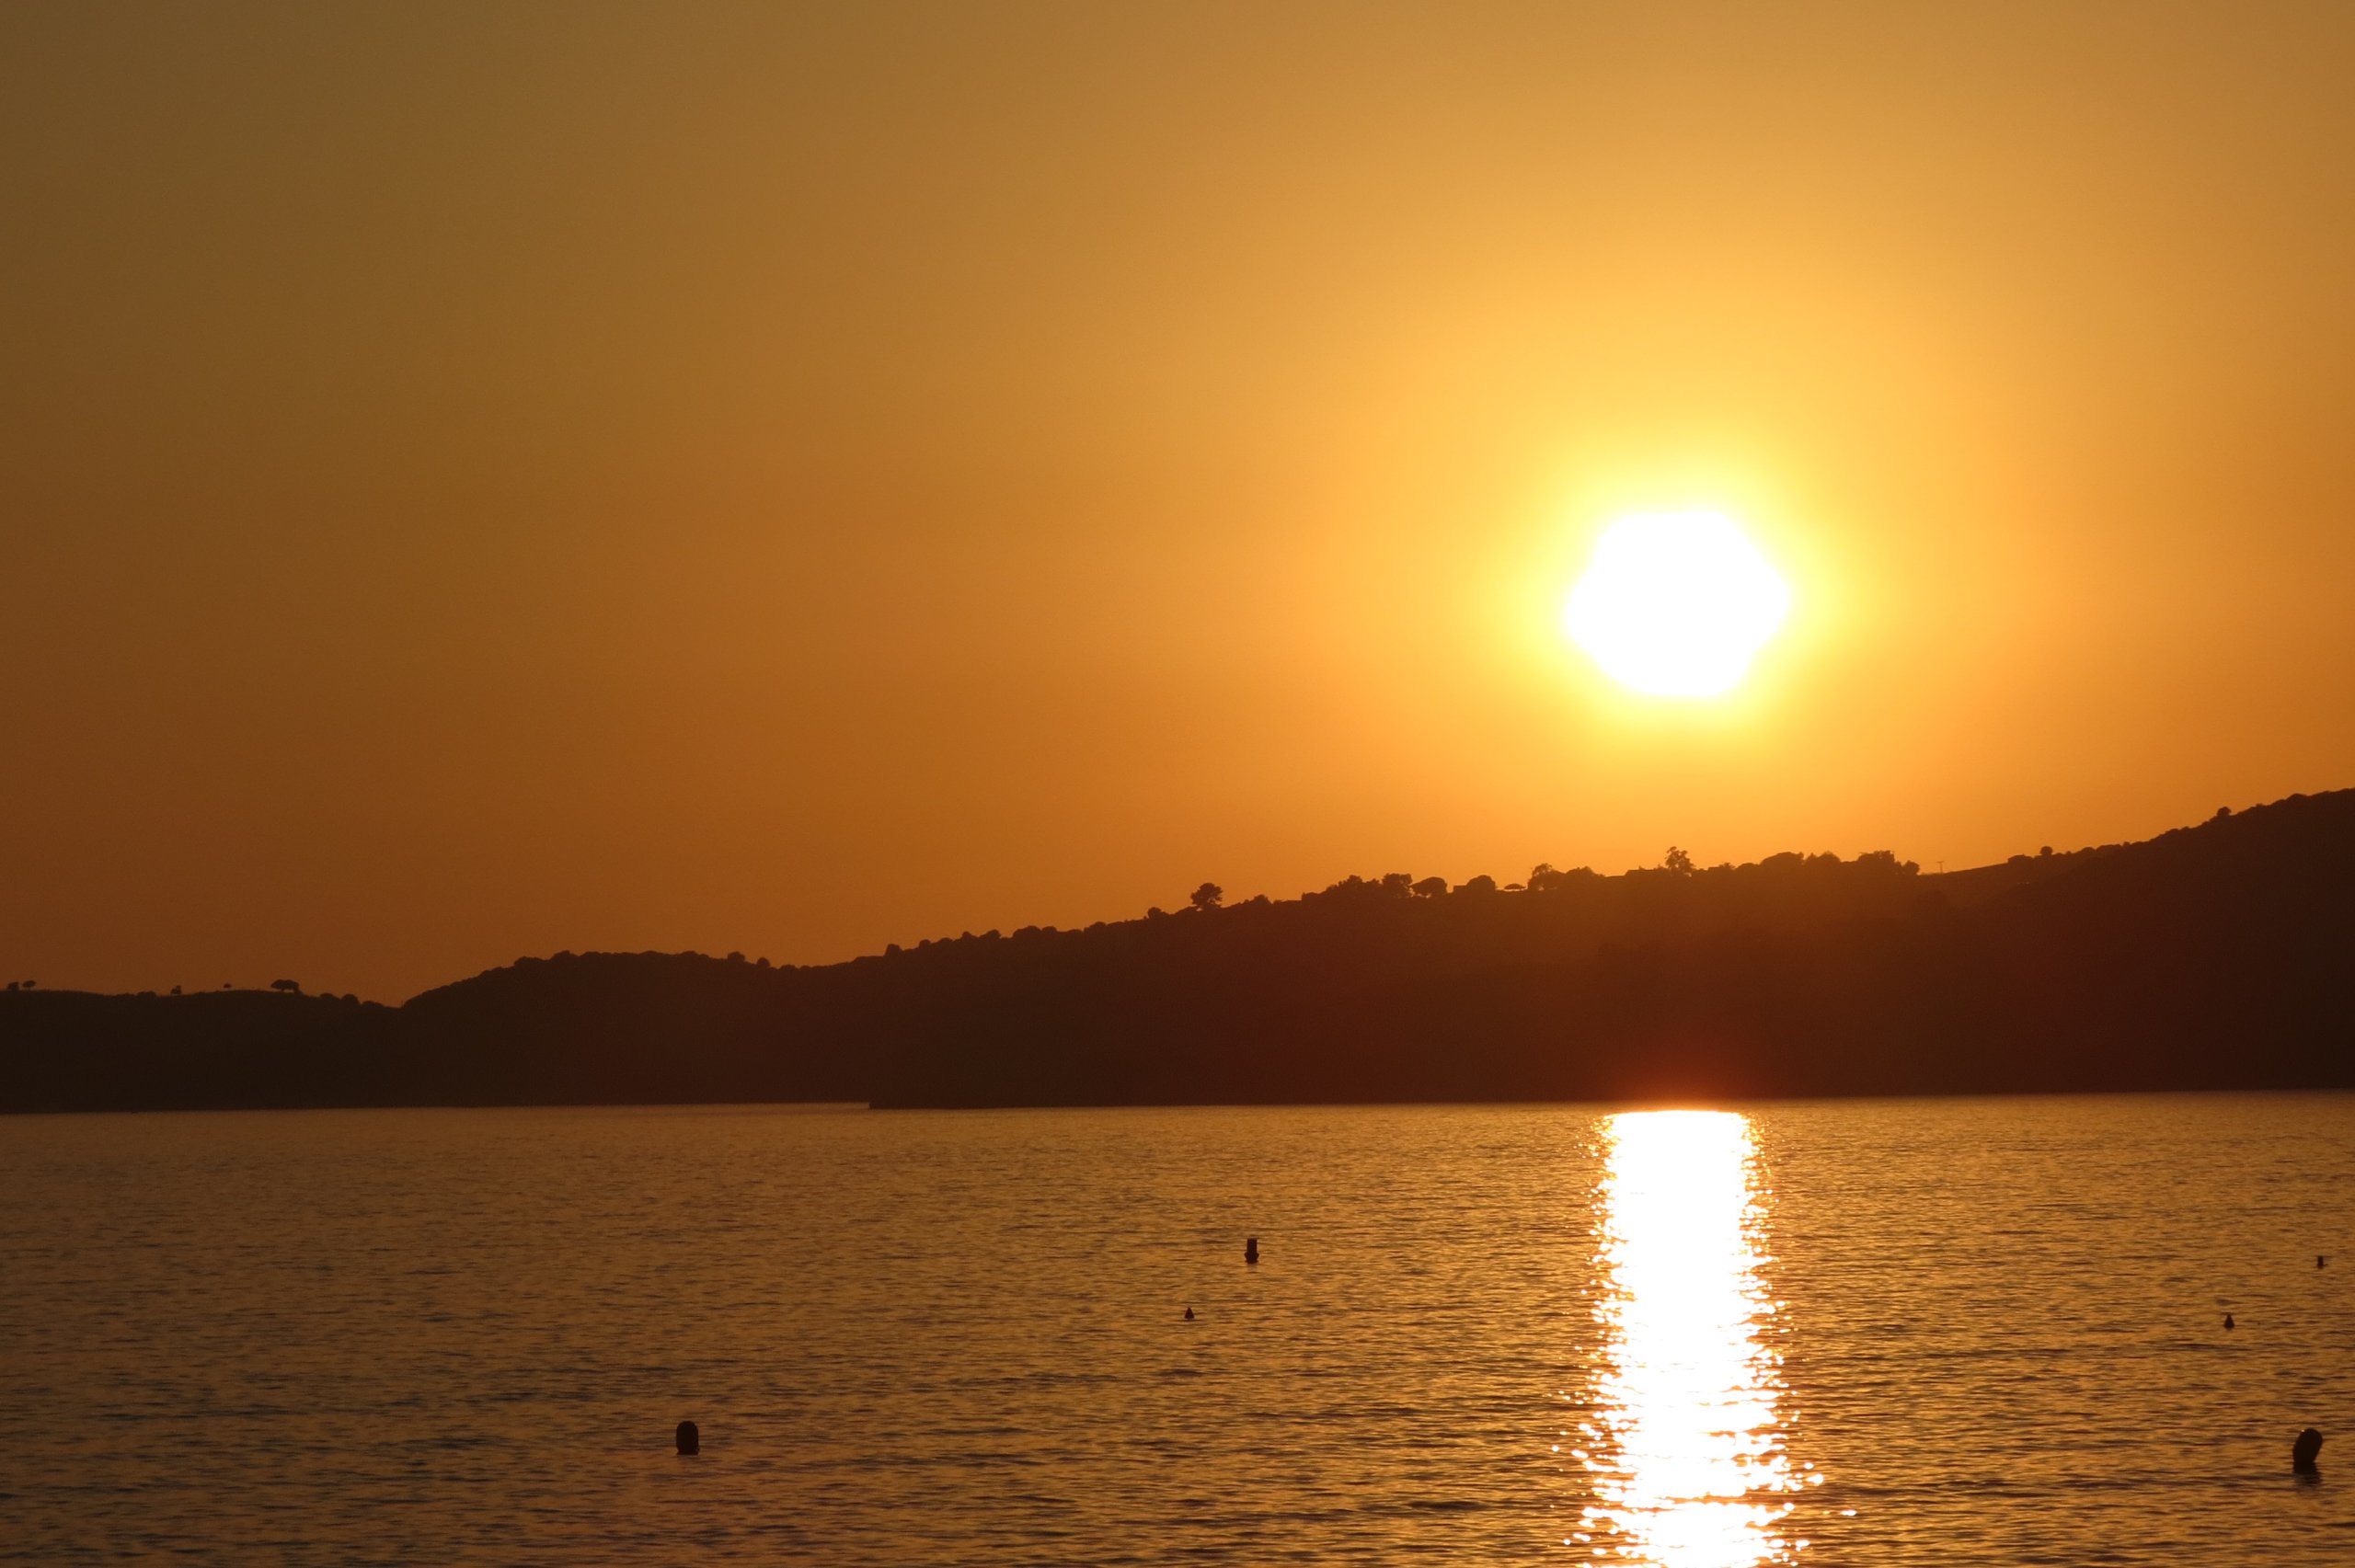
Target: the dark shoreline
(2218, 957)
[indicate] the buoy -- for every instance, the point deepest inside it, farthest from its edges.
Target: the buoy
(1251, 1249)
(2228, 1320)
(2318, 1259)
(1190, 1314)
(2303, 1451)
(690, 1439)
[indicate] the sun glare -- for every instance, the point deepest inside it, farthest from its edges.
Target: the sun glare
(1676, 604)
(1685, 1444)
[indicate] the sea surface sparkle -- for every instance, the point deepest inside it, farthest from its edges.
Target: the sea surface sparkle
(1903, 1333)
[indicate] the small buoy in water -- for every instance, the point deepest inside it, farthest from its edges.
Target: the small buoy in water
(1190, 1314)
(2304, 1452)
(2318, 1259)
(2228, 1320)
(1251, 1249)
(690, 1439)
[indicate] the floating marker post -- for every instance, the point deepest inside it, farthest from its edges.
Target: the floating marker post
(1251, 1249)
(2304, 1452)
(690, 1439)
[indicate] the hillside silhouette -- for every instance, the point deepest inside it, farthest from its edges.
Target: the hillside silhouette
(2218, 956)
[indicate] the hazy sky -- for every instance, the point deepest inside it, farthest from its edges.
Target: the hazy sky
(485, 479)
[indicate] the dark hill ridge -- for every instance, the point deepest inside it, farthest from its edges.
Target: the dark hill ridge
(2215, 956)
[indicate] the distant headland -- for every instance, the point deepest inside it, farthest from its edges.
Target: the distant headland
(2217, 956)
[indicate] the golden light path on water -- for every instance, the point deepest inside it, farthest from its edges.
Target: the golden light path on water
(1684, 1443)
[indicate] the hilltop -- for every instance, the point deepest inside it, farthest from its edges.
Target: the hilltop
(2212, 957)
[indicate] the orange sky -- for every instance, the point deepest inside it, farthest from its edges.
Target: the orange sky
(484, 480)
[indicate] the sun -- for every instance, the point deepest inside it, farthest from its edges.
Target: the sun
(1676, 604)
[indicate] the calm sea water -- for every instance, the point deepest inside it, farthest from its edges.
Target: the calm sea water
(1904, 1333)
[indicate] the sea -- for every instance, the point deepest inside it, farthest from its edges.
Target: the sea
(1891, 1334)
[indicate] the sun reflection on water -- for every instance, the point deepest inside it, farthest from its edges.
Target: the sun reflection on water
(1684, 1441)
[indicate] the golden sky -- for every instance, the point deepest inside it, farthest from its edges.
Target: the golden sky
(480, 480)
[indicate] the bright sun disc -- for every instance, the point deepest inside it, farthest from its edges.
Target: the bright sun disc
(1676, 604)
